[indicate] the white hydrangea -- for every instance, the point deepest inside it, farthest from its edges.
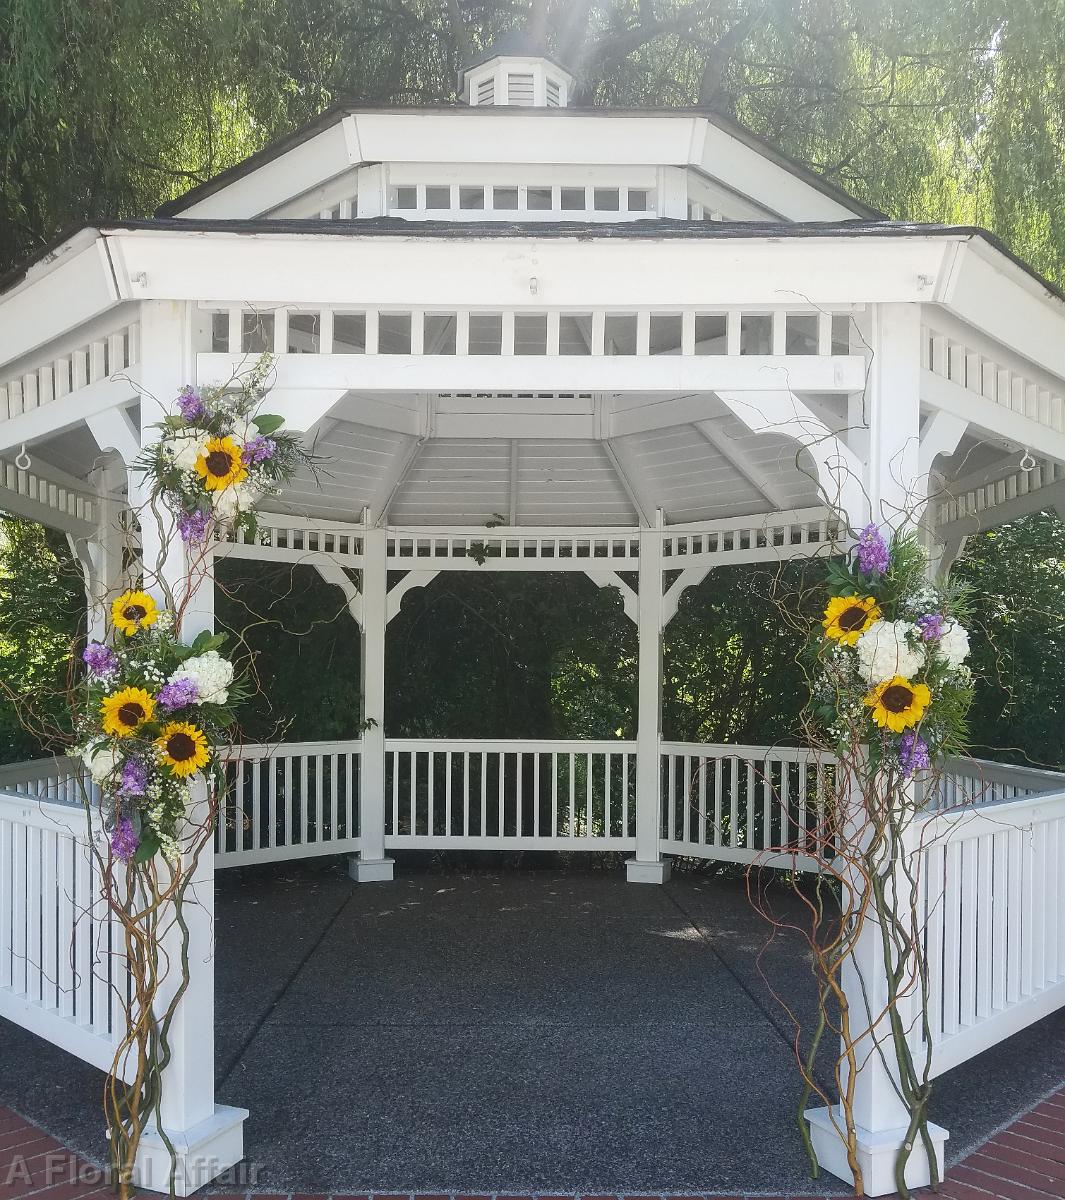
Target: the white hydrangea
(211, 673)
(230, 501)
(884, 651)
(186, 449)
(101, 761)
(954, 645)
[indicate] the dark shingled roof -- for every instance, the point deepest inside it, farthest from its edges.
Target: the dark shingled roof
(517, 44)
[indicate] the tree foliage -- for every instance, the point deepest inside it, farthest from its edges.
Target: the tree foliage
(42, 606)
(1018, 577)
(947, 111)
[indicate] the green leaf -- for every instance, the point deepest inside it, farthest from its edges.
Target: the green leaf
(267, 425)
(148, 848)
(206, 640)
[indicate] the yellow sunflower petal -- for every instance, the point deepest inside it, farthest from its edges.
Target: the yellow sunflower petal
(221, 464)
(183, 748)
(133, 611)
(125, 711)
(848, 617)
(898, 704)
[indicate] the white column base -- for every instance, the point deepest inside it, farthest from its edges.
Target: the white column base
(876, 1154)
(203, 1153)
(377, 870)
(647, 872)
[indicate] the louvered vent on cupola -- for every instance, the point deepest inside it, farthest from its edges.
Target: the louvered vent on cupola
(516, 74)
(520, 88)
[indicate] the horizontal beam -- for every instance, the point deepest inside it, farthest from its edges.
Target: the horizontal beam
(1005, 511)
(336, 267)
(70, 410)
(540, 373)
(50, 496)
(990, 418)
(54, 518)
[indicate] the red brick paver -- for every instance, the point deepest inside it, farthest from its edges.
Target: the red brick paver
(1025, 1161)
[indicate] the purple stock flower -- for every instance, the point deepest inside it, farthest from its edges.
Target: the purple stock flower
(931, 626)
(124, 840)
(258, 448)
(873, 557)
(193, 527)
(179, 694)
(100, 659)
(190, 404)
(134, 778)
(913, 753)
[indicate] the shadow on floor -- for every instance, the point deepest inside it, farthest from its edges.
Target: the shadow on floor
(488, 1031)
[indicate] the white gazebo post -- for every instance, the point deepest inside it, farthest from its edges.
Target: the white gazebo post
(649, 866)
(889, 446)
(372, 865)
(207, 1139)
(101, 556)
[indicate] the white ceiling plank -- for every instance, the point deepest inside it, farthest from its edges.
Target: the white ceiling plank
(739, 458)
(657, 374)
(514, 479)
(633, 479)
(392, 480)
(840, 470)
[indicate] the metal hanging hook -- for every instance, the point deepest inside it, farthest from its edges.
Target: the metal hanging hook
(1028, 462)
(23, 460)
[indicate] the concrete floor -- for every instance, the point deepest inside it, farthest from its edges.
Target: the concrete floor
(489, 1031)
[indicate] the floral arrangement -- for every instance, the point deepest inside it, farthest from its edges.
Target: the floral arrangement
(155, 709)
(892, 654)
(218, 456)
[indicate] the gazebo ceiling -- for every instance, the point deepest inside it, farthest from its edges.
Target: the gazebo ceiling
(716, 469)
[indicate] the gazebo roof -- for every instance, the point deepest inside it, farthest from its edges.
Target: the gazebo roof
(335, 114)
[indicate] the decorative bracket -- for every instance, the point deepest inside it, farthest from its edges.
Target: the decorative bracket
(689, 577)
(629, 599)
(839, 469)
(114, 430)
(335, 574)
(412, 579)
(332, 572)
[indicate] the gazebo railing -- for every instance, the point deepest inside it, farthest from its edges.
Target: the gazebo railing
(516, 794)
(744, 804)
(290, 800)
(994, 914)
(980, 781)
(62, 958)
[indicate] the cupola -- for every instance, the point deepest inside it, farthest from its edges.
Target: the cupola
(516, 71)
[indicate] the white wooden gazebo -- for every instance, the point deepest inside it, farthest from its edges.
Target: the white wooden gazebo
(635, 344)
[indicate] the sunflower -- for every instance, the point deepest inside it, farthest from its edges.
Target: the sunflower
(897, 704)
(848, 617)
(126, 711)
(182, 747)
(133, 611)
(221, 464)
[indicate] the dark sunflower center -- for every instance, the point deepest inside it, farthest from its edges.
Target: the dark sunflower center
(896, 698)
(218, 462)
(131, 713)
(852, 618)
(180, 747)
(133, 612)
